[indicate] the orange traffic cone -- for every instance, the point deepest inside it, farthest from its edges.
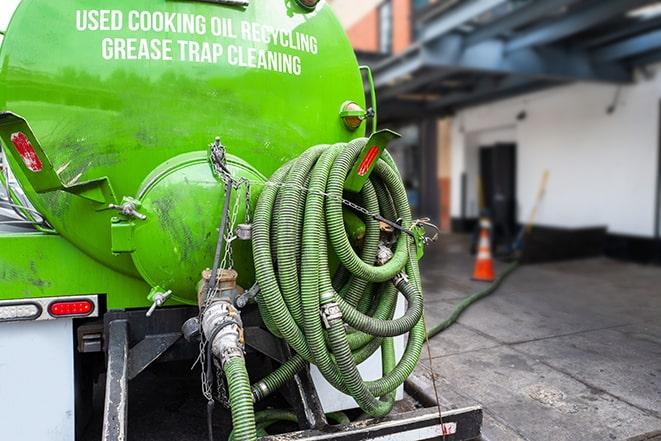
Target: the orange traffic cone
(484, 264)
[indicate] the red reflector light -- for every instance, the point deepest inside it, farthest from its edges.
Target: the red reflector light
(27, 152)
(73, 308)
(369, 159)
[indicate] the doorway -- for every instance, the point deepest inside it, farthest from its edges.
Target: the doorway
(497, 188)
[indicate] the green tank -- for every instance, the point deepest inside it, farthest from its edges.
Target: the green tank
(116, 94)
(148, 134)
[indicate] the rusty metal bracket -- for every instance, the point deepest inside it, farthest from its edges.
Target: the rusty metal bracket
(115, 407)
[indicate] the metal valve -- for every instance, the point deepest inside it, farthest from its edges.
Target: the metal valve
(158, 300)
(191, 329)
(244, 298)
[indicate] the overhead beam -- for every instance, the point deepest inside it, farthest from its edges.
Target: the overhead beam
(450, 53)
(544, 63)
(524, 15)
(629, 48)
(527, 58)
(453, 18)
(628, 29)
(397, 68)
(647, 59)
(596, 12)
(488, 91)
(399, 110)
(415, 83)
(453, 51)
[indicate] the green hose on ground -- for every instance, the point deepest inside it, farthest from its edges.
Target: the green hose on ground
(461, 307)
(298, 221)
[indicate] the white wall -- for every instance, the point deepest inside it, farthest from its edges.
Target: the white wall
(6, 11)
(351, 11)
(602, 167)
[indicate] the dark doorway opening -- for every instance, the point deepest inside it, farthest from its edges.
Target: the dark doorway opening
(498, 193)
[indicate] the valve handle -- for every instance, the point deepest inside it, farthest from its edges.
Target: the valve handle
(159, 300)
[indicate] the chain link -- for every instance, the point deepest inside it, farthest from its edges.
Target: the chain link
(221, 391)
(247, 209)
(348, 203)
(218, 160)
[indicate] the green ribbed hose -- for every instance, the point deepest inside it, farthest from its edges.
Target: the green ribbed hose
(468, 301)
(298, 221)
(240, 396)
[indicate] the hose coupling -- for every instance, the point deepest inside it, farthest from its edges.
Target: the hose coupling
(400, 279)
(223, 328)
(329, 313)
(259, 391)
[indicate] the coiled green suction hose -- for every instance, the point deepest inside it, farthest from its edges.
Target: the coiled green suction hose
(297, 222)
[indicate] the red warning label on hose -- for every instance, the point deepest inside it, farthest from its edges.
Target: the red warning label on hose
(25, 149)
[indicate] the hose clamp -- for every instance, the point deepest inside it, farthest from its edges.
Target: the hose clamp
(230, 352)
(329, 313)
(259, 391)
(400, 278)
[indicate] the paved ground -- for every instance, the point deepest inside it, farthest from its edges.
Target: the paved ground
(563, 351)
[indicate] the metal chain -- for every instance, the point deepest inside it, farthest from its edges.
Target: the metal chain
(228, 257)
(218, 160)
(221, 390)
(360, 209)
(247, 209)
(206, 384)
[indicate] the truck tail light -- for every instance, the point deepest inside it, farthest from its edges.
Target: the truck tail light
(71, 308)
(369, 159)
(19, 311)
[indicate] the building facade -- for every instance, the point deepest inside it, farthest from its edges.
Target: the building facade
(493, 96)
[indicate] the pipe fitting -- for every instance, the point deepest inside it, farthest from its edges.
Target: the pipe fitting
(223, 328)
(400, 279)
(259, 391)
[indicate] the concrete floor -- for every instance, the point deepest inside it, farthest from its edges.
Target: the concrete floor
(563, 351)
